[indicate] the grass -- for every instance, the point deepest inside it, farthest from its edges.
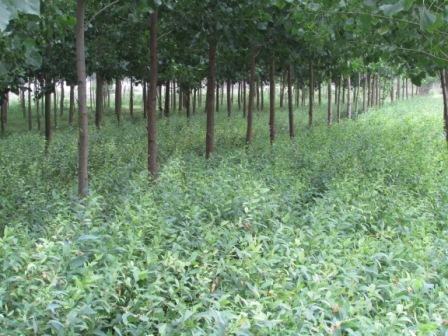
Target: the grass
(342, 231)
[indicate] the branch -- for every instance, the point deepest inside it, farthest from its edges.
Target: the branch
(102, 10)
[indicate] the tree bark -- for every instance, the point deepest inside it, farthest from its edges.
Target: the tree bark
(159, 99)
(311, 105)
(358, 88)
(444, 83)
(131, 99)
(152, 116)
(187, 96)
(118, 99)
(4, 112)
(229, 98)
(217, 97)
(174, 96)
(272, 99)
(250, 108)
(338, 101)
(292, 133)
(30, 116)
(210, 102)
(82, 97)
(55, 106)
(48, 130)
(23, 102)
(349, 98)
(282, 91)
(71, 110)
(329, 107)
(364, 95)
(37, 108)
(99, 108)
(62, 99)
(167, 99)
(320, 92)
(145, 100)
(392, 93)
(194, 100)
(239, 96)
(244, 99)
(407, 89)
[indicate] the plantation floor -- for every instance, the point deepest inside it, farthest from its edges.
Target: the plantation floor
(342, 231)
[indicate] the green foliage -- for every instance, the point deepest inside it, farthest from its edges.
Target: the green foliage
(9, 9)
(342, 231)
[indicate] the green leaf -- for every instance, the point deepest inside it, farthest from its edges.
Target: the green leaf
(427, 18)
(391, 10)
(10, 8)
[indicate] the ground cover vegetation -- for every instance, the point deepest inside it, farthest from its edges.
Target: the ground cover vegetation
(318, 205)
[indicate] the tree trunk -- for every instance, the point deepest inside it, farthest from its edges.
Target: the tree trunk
(398, 88)
(118, 99)
(71, 110)
(30, 116)
(210, 101)
(131, 99)
(217, 97)
(55, 106)
(37, 108)
(4, 112)
(22, 102)
(364, 95)
(338, 103)
(320, 93)
(239, 96)
(174, 97)
(250, 109)
(349, 98)
(282, 91)
(82, 93)
(159, 99)
(244, 99)
(311, 106)
(145, 101)
(180, 105)
(48, 131)
(187, 95)
(62, 99)
(297, 89)
(392, 93)
(303, 94)
(99, 108)
(272, 99)
(358, 88)
(194, 101)
(258, 94)
(444, 83)
(229, 98)
(407, 89)
(292, 133)
(329, 107)
(167, 99)
(152, 116)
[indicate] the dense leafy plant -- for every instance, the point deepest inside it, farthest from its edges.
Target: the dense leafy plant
(340, 232)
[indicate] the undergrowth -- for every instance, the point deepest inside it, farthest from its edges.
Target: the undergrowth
(342, 231)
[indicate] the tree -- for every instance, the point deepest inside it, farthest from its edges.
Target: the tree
(83, 178)
(152, 116)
